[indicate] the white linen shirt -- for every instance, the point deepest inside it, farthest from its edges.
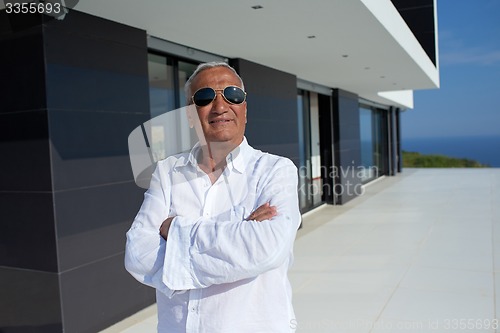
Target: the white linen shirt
(217, 272)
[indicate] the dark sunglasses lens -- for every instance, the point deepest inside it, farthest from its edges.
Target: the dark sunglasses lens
(204, 96)
(234, 95)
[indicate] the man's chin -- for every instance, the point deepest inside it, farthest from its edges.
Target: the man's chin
(224, 141)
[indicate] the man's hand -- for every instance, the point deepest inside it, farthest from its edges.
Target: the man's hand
(165, 226)
(264, 212)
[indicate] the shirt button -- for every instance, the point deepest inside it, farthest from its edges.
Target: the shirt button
(193, 309)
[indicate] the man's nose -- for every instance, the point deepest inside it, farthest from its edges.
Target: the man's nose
(219, 104)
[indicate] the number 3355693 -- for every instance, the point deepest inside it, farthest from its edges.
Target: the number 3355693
(31, 7)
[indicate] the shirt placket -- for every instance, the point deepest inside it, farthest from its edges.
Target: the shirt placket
(194, 303)
(210, 196)
(193, 316)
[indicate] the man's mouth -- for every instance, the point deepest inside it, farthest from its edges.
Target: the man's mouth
(219, 121)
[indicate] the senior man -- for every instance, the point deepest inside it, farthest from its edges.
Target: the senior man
(215, 232)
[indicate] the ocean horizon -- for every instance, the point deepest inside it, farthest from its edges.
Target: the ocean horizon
(483, 149)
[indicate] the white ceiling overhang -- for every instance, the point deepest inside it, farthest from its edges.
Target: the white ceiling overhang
(362, 46)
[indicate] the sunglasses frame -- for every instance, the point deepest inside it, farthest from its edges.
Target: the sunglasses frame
(222, 94)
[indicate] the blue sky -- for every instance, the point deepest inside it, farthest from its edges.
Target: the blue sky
(468, 102)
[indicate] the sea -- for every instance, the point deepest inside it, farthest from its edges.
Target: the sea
(483, 149)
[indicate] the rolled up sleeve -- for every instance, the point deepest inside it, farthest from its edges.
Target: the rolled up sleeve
(145, 248)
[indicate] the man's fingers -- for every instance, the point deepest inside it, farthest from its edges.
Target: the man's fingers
(264, 212)
(265, 216)
(260, 210)
(165, 226)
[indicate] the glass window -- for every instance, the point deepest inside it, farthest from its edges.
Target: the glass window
(168, 130)
(372, 143)
(310, 182)
(185, 71)
(161, 84)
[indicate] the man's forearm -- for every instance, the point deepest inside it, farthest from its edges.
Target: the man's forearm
(264, 212)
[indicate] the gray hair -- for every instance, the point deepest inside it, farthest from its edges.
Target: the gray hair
(201, 68)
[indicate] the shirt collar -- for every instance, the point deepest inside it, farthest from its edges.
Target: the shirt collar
(235, 159)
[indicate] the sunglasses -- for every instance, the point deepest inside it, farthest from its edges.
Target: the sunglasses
(232, 95)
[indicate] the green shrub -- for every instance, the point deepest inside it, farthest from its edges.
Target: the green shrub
(417, 160)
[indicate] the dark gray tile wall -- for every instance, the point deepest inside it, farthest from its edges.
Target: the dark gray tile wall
(22, 86)
(91, 222)
(97, 93)
(393, 141)
(100, 294)
(75, 90)
(24, 144)
(272, 109)
(29, 301)
(347, 145)
(399, 152)
(326, 133)
(385, 129)
(29, 292)
(28, 237)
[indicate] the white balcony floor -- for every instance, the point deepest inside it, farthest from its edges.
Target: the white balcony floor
(418, 252)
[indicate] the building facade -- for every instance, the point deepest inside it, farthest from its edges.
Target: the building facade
(326, 84)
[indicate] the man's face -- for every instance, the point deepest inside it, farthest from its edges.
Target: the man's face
(220, 120)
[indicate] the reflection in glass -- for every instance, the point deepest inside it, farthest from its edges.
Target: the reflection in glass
(161, 84)
(371, 143)
(366, 136)
(163, 136)
(184, 72)
(310, 182)
(167, 133)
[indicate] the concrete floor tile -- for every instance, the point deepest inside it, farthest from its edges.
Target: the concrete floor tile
(424, 305)
(448, 280)
(414, 251)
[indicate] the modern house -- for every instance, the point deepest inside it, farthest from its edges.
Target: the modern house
(327, 82)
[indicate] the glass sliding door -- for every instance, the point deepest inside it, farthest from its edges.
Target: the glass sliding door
(310, 181)
(168, 131)
(167, 76)
(317, 181)
(373, 139)
(367, 144)
(161, 84)
(184, 71)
